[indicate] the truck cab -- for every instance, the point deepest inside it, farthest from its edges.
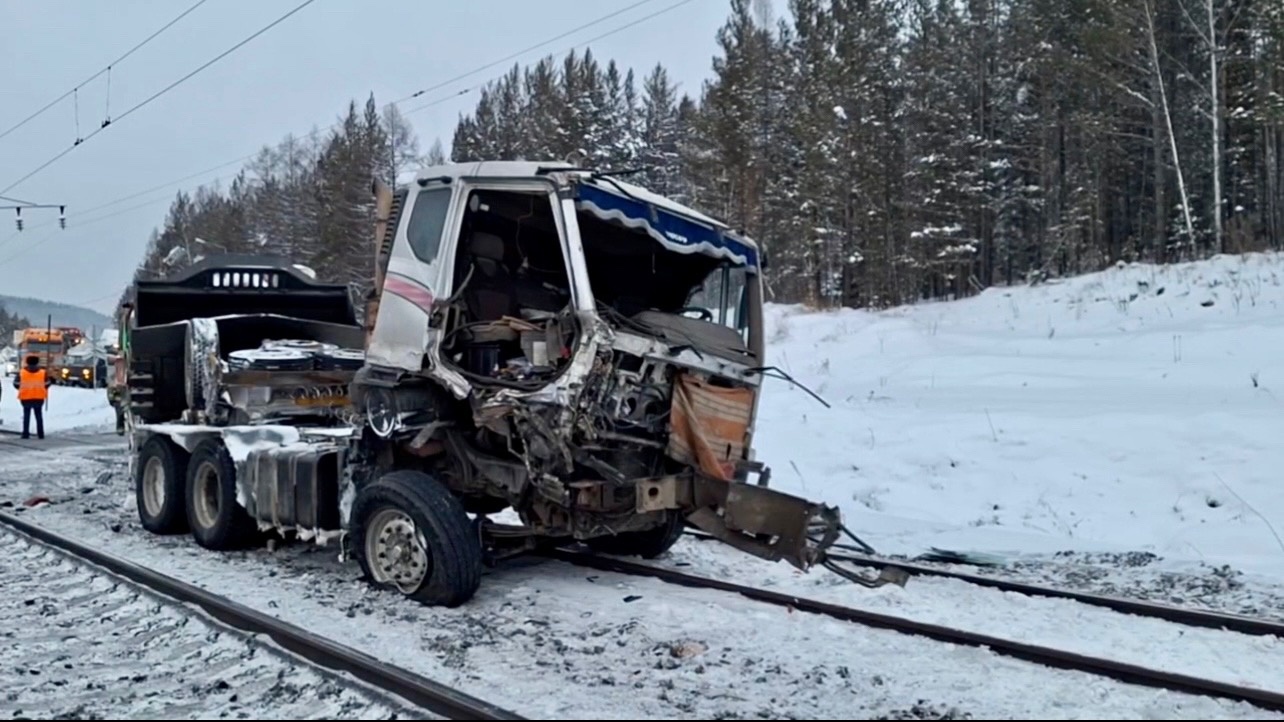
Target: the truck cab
(49, 344)
(573, 347)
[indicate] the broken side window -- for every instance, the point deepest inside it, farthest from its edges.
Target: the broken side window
(722, 295)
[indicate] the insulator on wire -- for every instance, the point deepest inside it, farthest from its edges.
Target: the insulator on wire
(62, 216)
(19, 211)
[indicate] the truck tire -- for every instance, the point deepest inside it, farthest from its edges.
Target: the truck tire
(160, 485)
(648, 544)
(217, 520)
(412, 535)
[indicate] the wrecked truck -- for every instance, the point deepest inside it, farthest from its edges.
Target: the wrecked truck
(549, 355)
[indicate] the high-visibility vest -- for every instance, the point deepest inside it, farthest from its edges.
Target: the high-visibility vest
(31, 385)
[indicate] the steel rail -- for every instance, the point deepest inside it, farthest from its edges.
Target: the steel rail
(1050, 657)
(425, 693)
(1181, 615)
(17, 434)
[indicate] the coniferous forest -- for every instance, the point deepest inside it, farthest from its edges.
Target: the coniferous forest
(881, 151)
(10, 322)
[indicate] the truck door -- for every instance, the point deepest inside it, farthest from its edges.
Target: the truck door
(415, 278)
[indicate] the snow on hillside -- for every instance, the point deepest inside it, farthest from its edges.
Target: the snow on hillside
(39, 313)
(1137, 409)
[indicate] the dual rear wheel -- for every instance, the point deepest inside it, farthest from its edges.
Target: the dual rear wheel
(178, 492)
(409, 532)
(648, 543)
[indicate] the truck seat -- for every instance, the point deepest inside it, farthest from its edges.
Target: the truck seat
(489, 295)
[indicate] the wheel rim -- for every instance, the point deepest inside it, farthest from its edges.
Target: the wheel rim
(154, 486)
(205, 495)
(396, 550)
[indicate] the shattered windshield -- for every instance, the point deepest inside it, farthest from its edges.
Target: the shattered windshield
(646, 253)
(630, 272)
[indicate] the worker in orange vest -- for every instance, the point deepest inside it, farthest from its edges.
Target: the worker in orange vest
(33, 383)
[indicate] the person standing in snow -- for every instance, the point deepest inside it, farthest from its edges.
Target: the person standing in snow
(32, 383)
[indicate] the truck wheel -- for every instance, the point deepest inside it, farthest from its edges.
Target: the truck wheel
(410, 534)
(159, 486)
(647, 544)
(218, 522)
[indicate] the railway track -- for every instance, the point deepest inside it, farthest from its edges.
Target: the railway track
(90, 630)
(10, 433)
(11, 438)
(1181, 615)
(1047, 656)
(16, 432)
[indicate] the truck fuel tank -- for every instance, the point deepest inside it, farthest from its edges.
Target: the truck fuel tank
(295, 487)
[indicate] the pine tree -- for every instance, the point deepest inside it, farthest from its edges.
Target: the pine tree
(10, 322)
(658, 144)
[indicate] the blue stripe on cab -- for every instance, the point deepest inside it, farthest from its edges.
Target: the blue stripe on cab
(669, 227)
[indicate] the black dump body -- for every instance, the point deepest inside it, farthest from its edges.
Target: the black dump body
(271, 299)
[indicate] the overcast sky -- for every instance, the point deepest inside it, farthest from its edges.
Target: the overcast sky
(297, 75)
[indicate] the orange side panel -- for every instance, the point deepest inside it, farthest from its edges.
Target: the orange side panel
(709, 426)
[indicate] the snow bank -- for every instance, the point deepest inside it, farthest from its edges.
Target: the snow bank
(1130, 409)
(69, 409)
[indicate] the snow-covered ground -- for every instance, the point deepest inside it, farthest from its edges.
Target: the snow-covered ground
(1111, 432)
(552, 641)
(69, 409)
(1130, 410)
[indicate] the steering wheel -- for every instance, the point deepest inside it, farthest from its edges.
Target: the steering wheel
(705, 314)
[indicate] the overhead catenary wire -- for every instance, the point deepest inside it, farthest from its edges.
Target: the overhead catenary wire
(419, 93)
(437, 101)
(167, 184)
(524, 51)
(160, 92)
(580, 44)
(106, 69)
(80, 224)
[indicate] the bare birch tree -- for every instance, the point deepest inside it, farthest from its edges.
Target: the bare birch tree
(1168, 118)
